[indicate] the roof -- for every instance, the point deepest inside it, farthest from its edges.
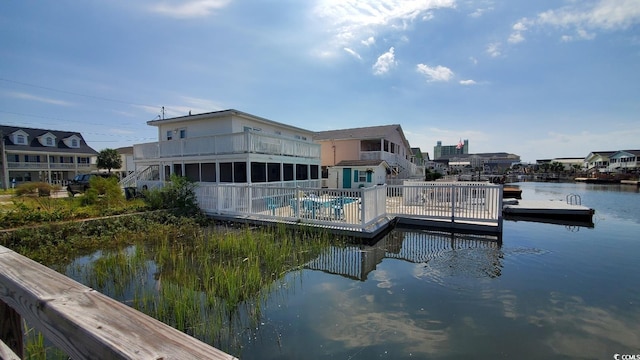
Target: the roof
(222, 114)
(368, 132)
(34, 144)
(363, 163)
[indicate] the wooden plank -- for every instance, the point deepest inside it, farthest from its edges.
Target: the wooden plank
(87, 324)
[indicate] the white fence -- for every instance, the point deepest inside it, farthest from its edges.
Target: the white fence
(455, 201)
(340, 208)
(355, 208)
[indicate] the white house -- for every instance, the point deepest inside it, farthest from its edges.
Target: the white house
(624, 161)
(228, 146)
(351, 174)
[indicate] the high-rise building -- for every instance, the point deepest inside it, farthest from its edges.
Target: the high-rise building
(446, 150)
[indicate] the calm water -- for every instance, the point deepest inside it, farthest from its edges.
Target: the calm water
(548, 292)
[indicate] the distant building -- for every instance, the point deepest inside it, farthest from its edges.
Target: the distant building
(52, 156)
(440, 150)
(490, 163)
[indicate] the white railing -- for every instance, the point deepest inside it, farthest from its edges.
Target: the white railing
(340, 208)
(48, 166)
(459, 201)
(245, 142)
(407, 168)
(355, 208)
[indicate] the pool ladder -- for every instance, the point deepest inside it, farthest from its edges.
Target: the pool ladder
(574, 199)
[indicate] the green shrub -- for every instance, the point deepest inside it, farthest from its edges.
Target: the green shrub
(178, 195)
(36, 188)
(103, 191)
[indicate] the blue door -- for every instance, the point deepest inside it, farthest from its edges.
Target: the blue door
(346, 178)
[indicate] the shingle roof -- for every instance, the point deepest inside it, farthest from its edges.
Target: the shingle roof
(369, 132)
(34, 144)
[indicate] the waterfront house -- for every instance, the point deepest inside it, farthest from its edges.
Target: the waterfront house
(228, 146)
(624, 161)
(351, 174)
(598, 161)
(30, 154)
(385, 142)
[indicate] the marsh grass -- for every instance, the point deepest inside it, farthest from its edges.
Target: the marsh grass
(209, 282)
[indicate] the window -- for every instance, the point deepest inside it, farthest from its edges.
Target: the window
(183, 133)
(208, 172)
(32, 158)
(361, 176)
(20, 139)
(169, 135)
(74, 143)
(49, 141)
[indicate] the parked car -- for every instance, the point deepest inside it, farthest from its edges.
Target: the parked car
(80, 183)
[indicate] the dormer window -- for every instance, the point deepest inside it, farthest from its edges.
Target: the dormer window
(20, 138)
(72, 141)
(47, 139)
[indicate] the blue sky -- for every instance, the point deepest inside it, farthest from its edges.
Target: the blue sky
(540, 79)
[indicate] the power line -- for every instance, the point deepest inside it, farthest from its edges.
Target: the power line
(74, 93)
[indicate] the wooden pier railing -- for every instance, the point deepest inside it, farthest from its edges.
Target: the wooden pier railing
(80, 321)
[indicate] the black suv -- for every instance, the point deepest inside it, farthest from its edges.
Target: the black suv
(80, 183)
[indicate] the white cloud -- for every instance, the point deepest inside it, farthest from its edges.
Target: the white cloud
(348, 20)
(467, 82)
(479, 12)
(515, 38)
(370, 41)
(493, 49)
(584, 18)
(353, 53)
(189, 8)
(438, 73)
(384, 63)
(25, 96)
(473, 60)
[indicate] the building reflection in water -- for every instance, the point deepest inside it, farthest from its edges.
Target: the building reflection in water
(479, 255)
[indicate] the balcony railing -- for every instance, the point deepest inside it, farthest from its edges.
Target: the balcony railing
(238, 143)
(48, 166)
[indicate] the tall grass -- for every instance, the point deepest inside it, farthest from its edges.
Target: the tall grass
(210, 282)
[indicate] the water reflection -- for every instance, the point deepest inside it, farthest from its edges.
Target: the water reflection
(443, 254)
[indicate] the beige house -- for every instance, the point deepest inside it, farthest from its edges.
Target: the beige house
(385, 142)
(227, 146)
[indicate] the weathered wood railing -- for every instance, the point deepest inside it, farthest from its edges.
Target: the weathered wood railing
(81, 321)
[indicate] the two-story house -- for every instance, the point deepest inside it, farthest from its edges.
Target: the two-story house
(385, 142)
(228, 146)
(598, 161)
(52, 156)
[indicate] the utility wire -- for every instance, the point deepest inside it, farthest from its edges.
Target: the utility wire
(76, 94)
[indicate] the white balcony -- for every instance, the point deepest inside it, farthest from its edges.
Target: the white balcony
(238, 143)
(49, 166)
